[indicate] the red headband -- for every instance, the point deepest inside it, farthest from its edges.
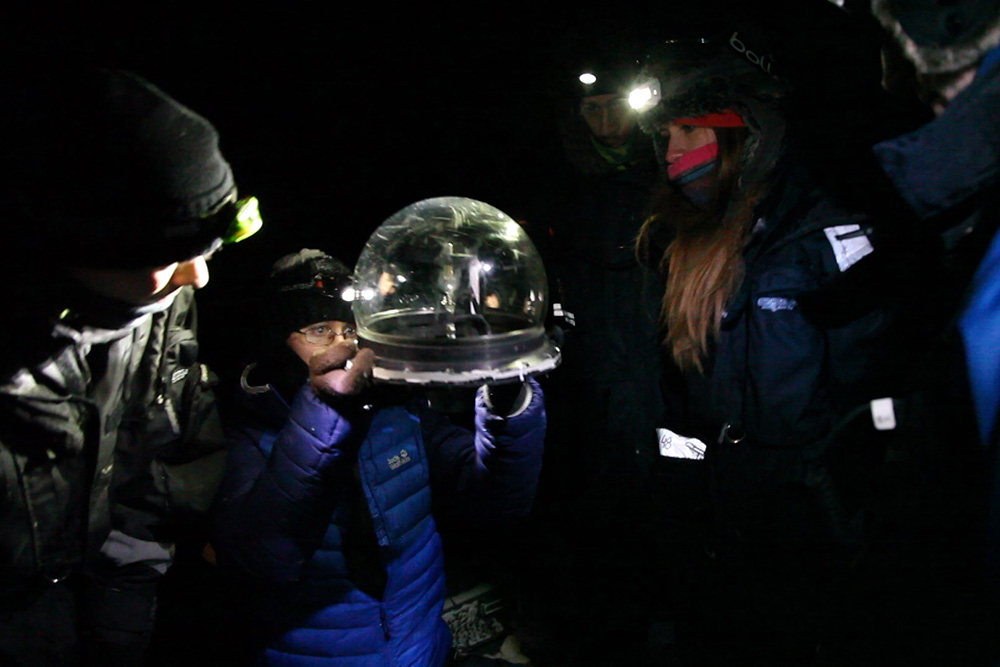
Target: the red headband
(727, 118)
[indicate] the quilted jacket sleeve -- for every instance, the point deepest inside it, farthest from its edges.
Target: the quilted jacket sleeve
(274, 506)
(493, 471)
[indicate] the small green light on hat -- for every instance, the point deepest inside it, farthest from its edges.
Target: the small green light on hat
(248, 221)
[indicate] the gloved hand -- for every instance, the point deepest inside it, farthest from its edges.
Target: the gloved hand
(508, 400)
(341, 370)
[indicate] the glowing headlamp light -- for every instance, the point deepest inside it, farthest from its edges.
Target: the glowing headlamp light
(246, 221)
(645, 96)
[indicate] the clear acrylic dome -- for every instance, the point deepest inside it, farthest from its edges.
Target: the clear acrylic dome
(451, 291)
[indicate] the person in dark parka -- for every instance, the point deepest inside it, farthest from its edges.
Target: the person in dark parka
(932, 559)
(110, 442)
(603, 399)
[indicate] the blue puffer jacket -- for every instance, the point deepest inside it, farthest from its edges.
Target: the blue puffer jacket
(284, 515)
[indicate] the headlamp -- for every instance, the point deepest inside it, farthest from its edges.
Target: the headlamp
(645, 95)
(233, 220)
(246, 220)
(329, 286)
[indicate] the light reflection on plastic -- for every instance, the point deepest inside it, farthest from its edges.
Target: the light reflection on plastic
(511, 231)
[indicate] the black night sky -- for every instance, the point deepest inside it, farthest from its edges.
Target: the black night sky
(336, 118)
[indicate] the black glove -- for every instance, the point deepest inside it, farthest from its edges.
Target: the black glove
(508, 400)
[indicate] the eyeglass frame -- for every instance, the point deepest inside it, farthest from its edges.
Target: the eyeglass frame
(349, 334)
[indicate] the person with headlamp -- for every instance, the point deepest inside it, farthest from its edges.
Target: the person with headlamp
(111, 445)
(753, 381)
(334, 486)
(603, 400)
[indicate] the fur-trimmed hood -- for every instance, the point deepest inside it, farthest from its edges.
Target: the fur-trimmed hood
(931, 58)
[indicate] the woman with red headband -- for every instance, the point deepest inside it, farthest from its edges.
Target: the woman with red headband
(757, 375)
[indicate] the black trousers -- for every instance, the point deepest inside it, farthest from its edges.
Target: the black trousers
(40, 630)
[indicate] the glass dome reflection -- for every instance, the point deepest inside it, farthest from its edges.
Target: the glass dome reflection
(451, 291)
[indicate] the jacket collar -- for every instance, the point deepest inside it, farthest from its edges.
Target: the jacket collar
(948, 161)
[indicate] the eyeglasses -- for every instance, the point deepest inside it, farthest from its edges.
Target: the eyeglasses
(324, 335)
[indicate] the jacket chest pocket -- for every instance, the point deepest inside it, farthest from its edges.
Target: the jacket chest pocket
(183, 397)
(44, 495)
(395, 474)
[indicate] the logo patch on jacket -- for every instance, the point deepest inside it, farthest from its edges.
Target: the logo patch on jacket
(776, 303)
(399, 459)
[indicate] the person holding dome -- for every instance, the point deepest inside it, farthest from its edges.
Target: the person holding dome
(333, 483)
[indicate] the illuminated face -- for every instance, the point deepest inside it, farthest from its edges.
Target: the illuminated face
(319, 336)
(147, 285)
(684, 139)
(609, 117)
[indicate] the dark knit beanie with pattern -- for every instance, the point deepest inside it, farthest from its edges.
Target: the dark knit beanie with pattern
(303, 288)
(104, 169)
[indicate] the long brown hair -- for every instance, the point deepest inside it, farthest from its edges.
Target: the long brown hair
(701, 253)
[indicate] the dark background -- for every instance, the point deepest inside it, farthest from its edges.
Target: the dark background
(337, 118)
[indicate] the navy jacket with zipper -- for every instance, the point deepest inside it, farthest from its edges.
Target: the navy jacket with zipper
(784, 370)
(779, 375)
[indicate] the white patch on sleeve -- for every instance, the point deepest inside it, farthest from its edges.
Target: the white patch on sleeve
(776, 303)
(849, 244)
(676, 446)
(883, 414)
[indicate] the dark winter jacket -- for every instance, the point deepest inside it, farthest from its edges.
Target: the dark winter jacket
(334, 504)
(109, 437)
(777, 377)
(605, 394)
(782, 372)
(923, 561)
(948, 174)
